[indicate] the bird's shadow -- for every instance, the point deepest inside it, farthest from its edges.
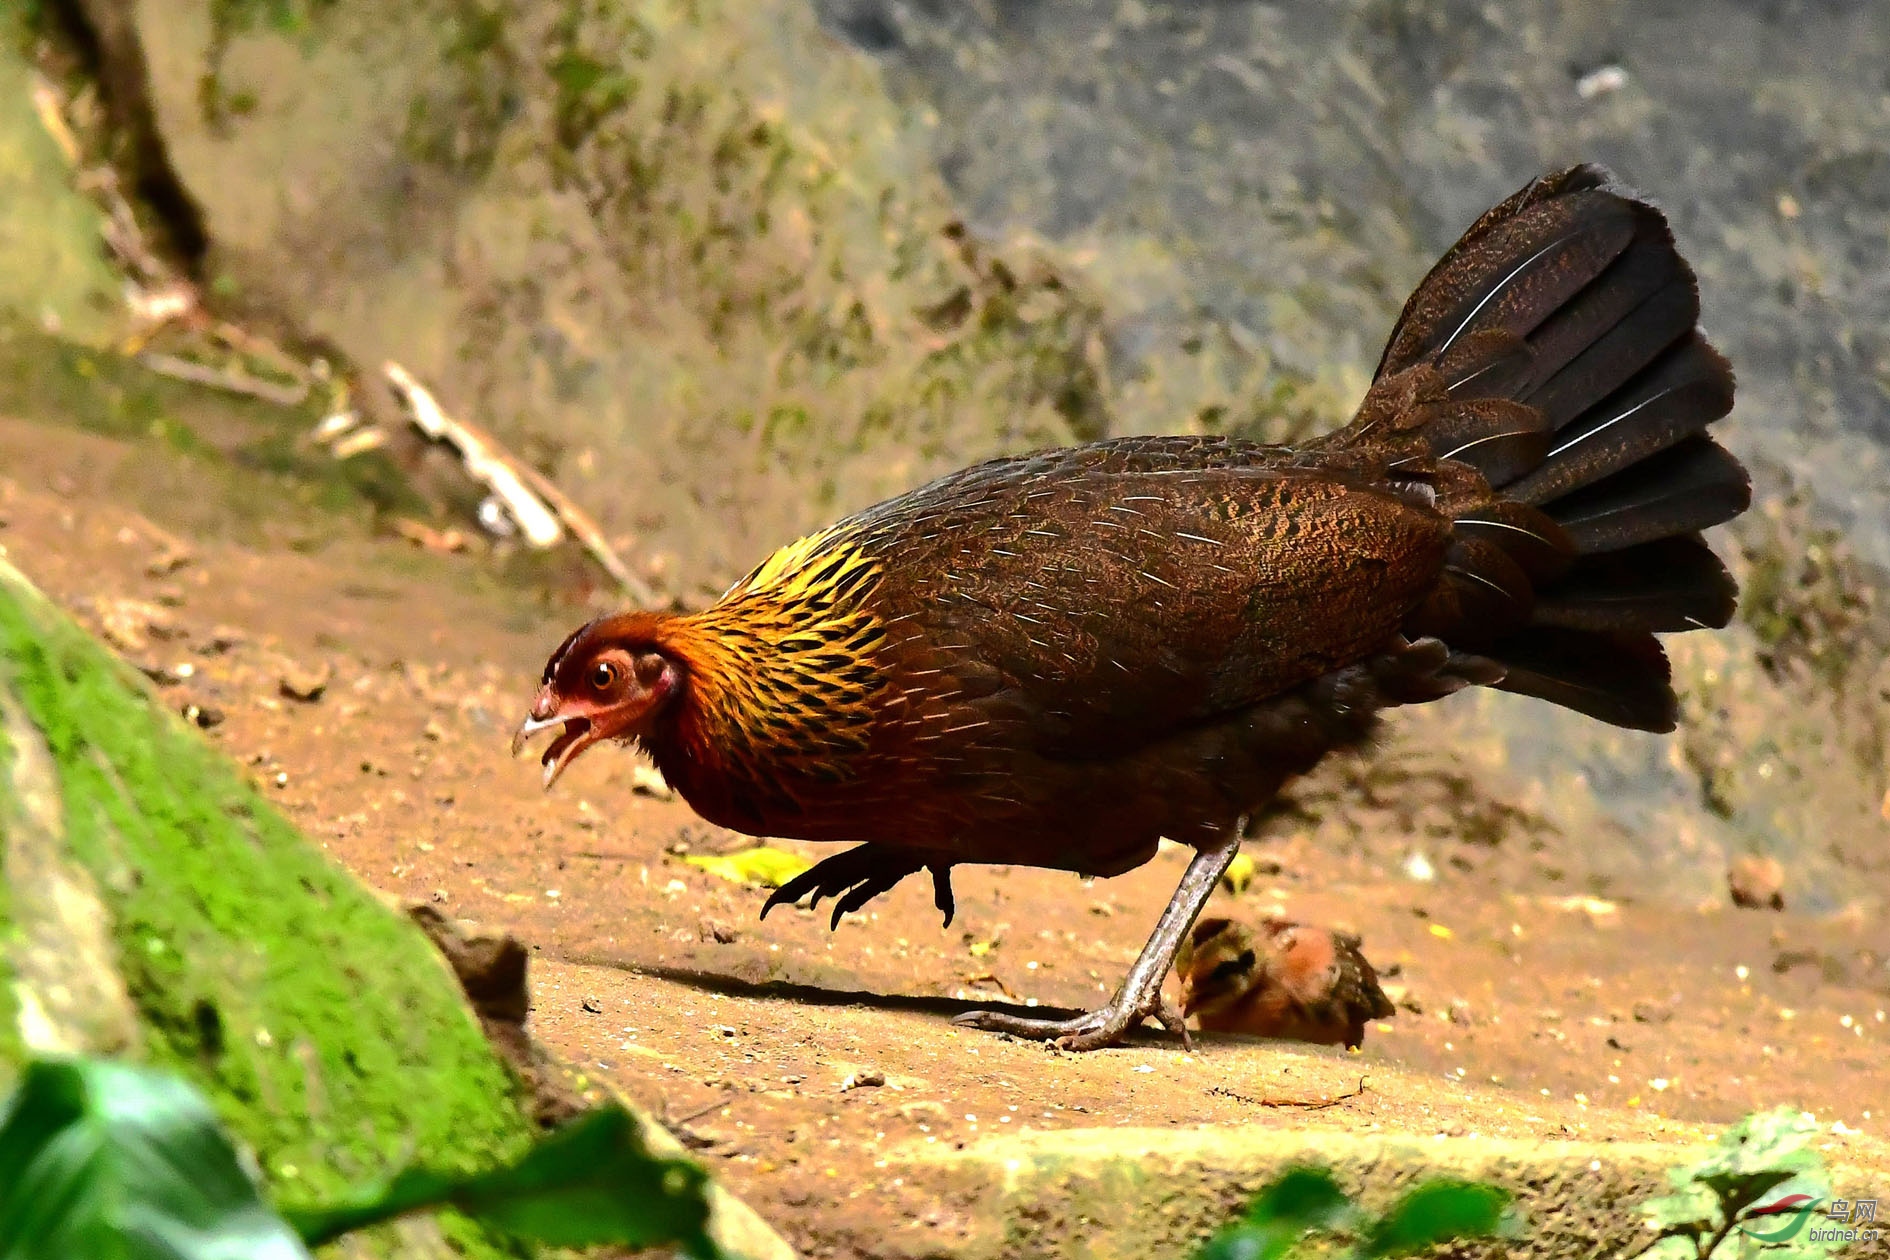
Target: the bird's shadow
(817, 995)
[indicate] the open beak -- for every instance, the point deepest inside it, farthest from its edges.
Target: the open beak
(575, 734)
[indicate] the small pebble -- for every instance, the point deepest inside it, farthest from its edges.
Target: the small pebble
(1600, 82)
(203, 716)
(647, 781)
(304, 683)
(1756, 882)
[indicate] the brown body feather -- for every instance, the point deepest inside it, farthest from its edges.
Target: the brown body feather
(1053, 660)
(1059, 658)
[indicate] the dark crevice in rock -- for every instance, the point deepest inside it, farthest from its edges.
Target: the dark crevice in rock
(104, 33)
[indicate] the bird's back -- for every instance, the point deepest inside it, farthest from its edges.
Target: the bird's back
(1125, 589)
(1146, 636)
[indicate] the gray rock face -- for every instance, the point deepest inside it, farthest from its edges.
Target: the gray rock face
(1298, 166)
(1284, 173)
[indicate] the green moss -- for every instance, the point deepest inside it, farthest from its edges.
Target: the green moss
(52, 270)
(1807, 598)
(10, 1052)
(327, 1036)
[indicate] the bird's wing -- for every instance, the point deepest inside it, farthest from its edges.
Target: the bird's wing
(1103, 597)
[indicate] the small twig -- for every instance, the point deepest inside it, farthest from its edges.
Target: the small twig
(693, 1116)
(485, 461)
(579, 522)
(53, 119)
(120, 228)
(540, 508)
(233, 380)
(992, 976)
(1309, 1104)
(249, 343)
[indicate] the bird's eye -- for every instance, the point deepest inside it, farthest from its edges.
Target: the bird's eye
(603, 676)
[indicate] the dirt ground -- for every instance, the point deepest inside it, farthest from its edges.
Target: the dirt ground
(1525, 1011)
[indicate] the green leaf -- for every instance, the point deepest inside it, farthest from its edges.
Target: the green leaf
(1690, 1208)
(1435, 1212)
(1303, 1199)
(591, 1183)
(112, 1162)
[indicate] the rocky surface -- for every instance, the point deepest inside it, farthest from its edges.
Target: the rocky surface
(1289, 171)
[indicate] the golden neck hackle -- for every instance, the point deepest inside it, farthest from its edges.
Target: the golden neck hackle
(783, 669)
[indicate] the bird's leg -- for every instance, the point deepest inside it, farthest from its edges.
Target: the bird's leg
(1141, 993)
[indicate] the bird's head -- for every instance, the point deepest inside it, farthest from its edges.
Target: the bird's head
(1219, 961)
(610, 680)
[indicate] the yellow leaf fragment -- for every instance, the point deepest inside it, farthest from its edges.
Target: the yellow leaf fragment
(762, 865)
(1238, 875)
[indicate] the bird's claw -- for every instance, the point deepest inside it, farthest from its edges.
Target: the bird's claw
(860, 874)
(1094, 1030)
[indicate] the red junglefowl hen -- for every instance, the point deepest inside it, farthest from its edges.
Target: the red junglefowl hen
(1293, 981)
(1058, 658)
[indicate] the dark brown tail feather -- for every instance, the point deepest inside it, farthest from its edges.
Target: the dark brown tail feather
(1554, 351)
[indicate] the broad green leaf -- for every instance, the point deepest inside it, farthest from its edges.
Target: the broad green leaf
(592, 1182)
(1435, 1212)
(1691, 1207)
(112, 1162)
(1776, 1139)
(762, 865)
(1303, 1199)
(1763, 1158)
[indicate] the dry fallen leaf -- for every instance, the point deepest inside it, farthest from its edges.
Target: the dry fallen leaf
(762, 865)
(1238, 875)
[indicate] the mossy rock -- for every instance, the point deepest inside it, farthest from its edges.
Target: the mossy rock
(53, 269)
(153, 906)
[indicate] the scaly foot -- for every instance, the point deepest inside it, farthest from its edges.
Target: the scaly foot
(860, 874)
(1104, 1026)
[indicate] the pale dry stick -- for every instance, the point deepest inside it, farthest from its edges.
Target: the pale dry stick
(53, 118)
(524, 491)
(245, 342)
(121, 225)
(232, 380)
(1310, 1104)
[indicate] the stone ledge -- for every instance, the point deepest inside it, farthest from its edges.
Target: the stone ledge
(1151, 1194)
